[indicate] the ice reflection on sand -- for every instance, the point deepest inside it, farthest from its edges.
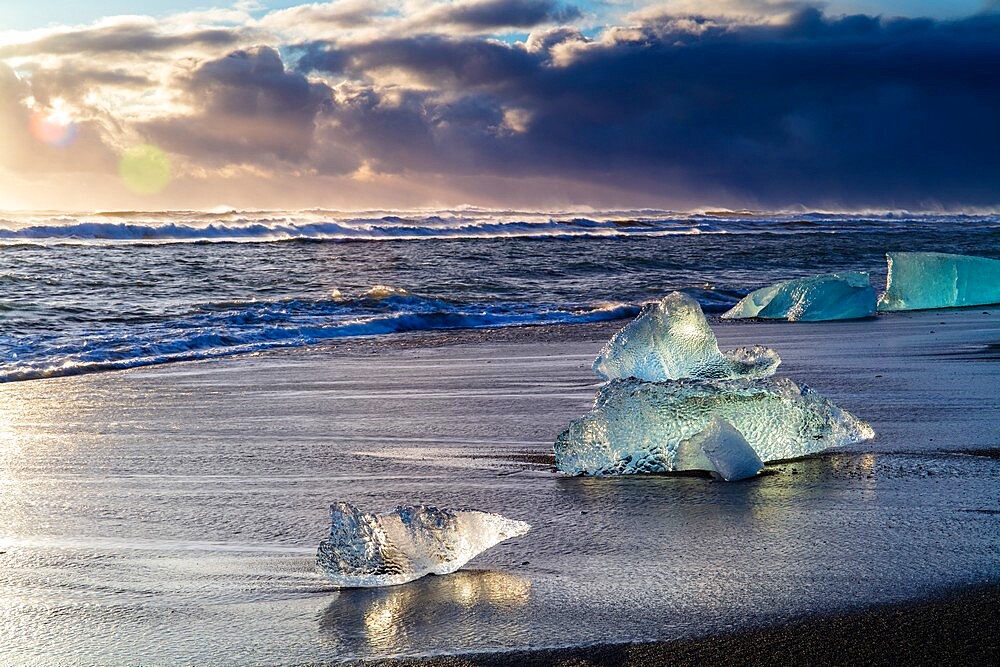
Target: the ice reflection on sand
(401, 618)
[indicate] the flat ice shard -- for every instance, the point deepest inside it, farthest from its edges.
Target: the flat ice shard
(637, 427)
(831, 296)
(919, 280)
(720, 449)
(670, 340)
(366, 549)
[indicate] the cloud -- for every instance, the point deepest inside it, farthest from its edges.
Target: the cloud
(744, 11)
(24, 153)
(247, 106)
(496, 14)
(759, 104)
(434, 60)
(324, 16)
(854, 110)
(70, 81)
(136, 35)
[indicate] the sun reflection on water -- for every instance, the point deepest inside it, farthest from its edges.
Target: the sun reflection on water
(32, 434)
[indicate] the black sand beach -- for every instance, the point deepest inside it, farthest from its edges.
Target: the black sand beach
(170, 515)
(955, 628)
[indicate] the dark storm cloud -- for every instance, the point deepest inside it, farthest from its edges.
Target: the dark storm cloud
(250, 108)
(852, 110)
(490, 14)
(436, 59)
(849, 111)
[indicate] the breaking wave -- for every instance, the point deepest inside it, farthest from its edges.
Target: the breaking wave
(261, 227)
(385, 229)
(230, 328)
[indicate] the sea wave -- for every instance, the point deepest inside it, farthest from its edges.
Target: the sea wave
(264, 226)
(231, 328)
(384, 230)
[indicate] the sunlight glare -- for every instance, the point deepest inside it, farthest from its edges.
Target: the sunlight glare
(53, 127)
(145, 169)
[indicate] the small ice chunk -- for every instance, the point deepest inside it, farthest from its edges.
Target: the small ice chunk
(670, 340)
(366, 549)
(919, 280)
(831, 296)
(637, 427)
(720, 449)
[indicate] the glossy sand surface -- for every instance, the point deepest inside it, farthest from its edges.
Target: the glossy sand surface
(171, 515)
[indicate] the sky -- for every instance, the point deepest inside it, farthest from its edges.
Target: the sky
(847, 104)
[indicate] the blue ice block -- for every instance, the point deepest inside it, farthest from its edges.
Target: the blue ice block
(831, 296)
(919, 280)
(638, 427)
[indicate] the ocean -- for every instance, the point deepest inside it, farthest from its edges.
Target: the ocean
(85, 293)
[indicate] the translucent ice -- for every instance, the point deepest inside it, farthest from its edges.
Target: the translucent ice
(670, 340)
(637, 426)
(831, 296)
(720, 449)
(366, 549)
(938, 280)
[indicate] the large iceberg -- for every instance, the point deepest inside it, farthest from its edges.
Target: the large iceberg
(831, 296)
(920, 280)
(366, 549)
(670, 340)
(637, 427)
(720, 449)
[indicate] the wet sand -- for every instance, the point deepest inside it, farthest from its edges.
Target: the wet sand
(170, 515)
(956, 628)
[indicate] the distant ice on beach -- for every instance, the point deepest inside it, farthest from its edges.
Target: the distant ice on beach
(670, 340)
(637, 427)
(830, 296)
(367, 549)
(921, 280)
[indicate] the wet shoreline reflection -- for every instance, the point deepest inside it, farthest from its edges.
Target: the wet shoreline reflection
(449, 610)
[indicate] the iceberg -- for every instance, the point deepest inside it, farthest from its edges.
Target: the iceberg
(670, 340)
(720, 449)
(638, 427)
(367, 549)
(831, 296)
(919, 280)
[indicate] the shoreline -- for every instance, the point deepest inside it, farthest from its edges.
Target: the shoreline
(576, 332)
(954, 627)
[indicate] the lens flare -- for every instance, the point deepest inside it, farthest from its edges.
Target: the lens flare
(53, 128)
(145, 169)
